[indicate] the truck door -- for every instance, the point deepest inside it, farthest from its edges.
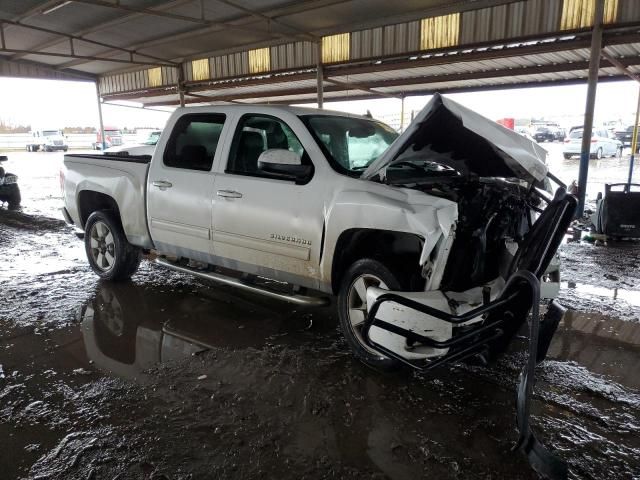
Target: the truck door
(180, 187)
(262, 223)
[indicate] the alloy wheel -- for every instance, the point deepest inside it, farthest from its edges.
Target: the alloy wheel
(103, 246)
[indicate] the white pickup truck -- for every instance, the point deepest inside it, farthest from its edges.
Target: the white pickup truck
(332, 203)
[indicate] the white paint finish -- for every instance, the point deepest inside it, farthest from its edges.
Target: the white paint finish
(293, 214)
(251, 243)
(189, 230)
(364, 204)
(125, 182)
(265, 225)
(279, 156)
(180, 215)
(412, 320)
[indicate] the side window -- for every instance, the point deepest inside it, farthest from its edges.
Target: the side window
(254, 135)
(193, 142)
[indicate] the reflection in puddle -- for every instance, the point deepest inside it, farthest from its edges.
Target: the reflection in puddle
(630, 296)
(128, 328)
(602, 344)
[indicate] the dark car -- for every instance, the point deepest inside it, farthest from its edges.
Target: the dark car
(544, 134)
(9, 191)
(559, 134)
(625, 136)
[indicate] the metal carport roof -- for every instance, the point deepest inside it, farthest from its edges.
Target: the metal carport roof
(219, 51)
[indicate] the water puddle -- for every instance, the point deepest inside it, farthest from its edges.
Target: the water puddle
(603, 344)
(128, 328)
(632, 297)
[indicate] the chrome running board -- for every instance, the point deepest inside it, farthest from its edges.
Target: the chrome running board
(294, 298)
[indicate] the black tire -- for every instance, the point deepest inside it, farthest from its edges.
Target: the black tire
(359, 269)
(567, 156)
(65, 149)
(599, 154)
(125, 258)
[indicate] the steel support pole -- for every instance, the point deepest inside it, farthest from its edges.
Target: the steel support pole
(401, 113)
(634, 144)
(102, 139)
(181, 85)
(320, 77)
(594, 66)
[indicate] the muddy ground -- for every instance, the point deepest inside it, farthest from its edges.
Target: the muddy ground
(167, 377)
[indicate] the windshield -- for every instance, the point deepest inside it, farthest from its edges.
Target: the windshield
(152, 139)
(351, 144)
(112, 132)
(50, 133)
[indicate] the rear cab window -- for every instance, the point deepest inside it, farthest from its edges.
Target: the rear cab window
(194, 141)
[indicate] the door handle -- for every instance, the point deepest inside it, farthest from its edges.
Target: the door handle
(229, 194)
(162, 184)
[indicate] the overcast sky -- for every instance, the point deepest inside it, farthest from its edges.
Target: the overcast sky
(56, 104)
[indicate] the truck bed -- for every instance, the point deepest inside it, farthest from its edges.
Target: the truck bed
(122, 178)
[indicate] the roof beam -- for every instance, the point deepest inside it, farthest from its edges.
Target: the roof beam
(146, 11)
(100, 26)
(370, 87)
(484, 88)
(87, 58)
(160, 61)
(19, 65)
(620, 65)
(364, 88)
(239, 23)
(262, 16)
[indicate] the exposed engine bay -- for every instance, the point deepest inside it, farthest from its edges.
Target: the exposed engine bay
(491, 212)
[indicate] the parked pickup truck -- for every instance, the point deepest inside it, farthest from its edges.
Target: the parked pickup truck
(437, 243)
(320, 200)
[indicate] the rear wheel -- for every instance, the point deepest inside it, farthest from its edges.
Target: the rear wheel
(599, 153)
(352, 307)
(110, 255)
(567, 156)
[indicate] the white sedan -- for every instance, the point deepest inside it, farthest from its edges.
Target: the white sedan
(602, 144)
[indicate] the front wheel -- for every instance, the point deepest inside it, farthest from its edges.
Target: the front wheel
(567, 156)
(110, 255)
(599, 153)
(352, 307)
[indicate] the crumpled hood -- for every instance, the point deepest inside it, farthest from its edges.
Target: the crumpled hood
(450, 134)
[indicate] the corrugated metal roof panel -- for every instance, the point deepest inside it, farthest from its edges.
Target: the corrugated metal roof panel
(628, 10)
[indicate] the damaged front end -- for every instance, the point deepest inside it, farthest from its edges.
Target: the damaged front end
(483, 279)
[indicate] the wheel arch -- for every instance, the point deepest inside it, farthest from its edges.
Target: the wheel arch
(399, 251)
(90, 201)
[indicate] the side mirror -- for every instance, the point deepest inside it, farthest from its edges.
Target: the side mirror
(284, 163)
